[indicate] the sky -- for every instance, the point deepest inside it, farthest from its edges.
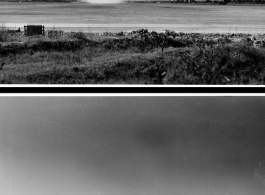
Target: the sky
(132, 145)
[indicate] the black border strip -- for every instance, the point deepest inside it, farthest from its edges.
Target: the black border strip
(190, 90)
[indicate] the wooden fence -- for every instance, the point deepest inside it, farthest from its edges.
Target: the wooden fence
(31, 30)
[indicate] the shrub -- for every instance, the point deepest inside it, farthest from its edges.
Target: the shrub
(77, 35)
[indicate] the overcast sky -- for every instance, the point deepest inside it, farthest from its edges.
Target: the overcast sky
(132, 145)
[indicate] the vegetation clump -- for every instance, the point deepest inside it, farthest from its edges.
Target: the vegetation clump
(138, 57)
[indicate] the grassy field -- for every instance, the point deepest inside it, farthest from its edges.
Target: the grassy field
(141, 57)
(216, 48)
(203, 18)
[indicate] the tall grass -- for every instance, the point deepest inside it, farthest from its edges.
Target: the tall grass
(79, 58)
(3, 33)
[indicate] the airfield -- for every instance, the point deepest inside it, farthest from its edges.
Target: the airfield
(81, 16)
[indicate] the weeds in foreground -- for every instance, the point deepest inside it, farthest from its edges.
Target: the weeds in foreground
(144, 58)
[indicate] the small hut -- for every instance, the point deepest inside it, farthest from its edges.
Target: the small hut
(31, 30)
